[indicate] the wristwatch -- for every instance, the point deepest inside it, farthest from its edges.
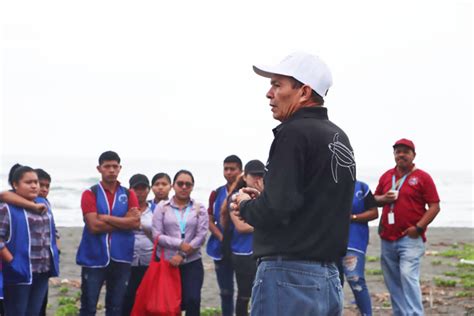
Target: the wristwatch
(419, 230)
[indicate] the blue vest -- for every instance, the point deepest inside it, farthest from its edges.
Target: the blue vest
(19, 270)
(242, 244)
(359, 232)
(214, 246)
(95, 250)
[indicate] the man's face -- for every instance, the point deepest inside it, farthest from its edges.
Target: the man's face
(109, 170)
(44, 188)
(231, 171)
(284, 99)
(254, 180)
(141, 190)
(404, 156)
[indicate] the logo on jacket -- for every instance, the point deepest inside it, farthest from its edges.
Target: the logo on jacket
(342, 156)
(413, 181)
(123, 198)
(359, 195)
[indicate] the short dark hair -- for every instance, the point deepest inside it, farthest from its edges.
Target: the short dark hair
(19, 172)
(234, 159)
(182, 171)
(108, 156)
(11, 172)
(43, 175)
(159, 176)
(314, 95)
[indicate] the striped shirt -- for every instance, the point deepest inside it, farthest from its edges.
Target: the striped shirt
(40, 238)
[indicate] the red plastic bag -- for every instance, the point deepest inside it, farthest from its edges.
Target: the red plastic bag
(159, 293)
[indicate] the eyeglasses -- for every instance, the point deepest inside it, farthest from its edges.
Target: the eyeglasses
(184, 183)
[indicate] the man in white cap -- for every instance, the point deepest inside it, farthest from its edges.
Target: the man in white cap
(301, 218)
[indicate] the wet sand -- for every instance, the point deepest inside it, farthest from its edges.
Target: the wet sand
(437, 300)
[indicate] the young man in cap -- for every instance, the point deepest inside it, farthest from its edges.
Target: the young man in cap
(218, 245)
(301, 218)
(404, 192)
(105, 252)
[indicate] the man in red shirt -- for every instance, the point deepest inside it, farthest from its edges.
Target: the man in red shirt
(106, 250)
(404, 192)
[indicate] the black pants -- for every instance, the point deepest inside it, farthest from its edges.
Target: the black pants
(245, 269)
(136, 276)
(192, 278)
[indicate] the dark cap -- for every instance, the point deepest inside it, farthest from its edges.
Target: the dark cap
(254, 167)
(404, 142)
(138, 179)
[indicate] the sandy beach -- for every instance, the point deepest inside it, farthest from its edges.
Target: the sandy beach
(447, 286)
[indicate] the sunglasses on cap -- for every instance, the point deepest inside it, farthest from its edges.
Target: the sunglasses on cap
(184, 183)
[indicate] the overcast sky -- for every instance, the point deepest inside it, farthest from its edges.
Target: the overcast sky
(173, 79)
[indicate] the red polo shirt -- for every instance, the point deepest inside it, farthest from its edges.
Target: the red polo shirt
(417, 190)
(88, 201)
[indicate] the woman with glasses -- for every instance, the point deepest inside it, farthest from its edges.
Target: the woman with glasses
(181, 225)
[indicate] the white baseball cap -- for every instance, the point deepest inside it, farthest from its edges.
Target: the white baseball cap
(306, 68)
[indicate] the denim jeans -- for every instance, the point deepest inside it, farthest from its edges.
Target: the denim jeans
(115, 276)
(136, 276)
(192, 278)
(225, 280)
(354, 267)
(401, 271)
(284, 288)
(24, 299)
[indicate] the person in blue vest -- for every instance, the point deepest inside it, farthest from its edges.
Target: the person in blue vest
(28, 246)
(244, 264)
(364, 209)
(105, 252)
(218, 245)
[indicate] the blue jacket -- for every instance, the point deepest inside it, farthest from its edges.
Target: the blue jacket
(214, 246)
(96, 250)
(19, 270)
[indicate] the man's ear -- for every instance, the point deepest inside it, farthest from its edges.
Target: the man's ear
(306, 92)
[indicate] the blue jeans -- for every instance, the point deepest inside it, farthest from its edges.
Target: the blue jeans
(225, 280)
(115, 276)
(192, 278)
(354, 266)
(24, 299)
(401, 271)
(284, 288)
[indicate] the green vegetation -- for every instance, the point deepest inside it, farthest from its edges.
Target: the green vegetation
(67, 310)
(436, 262)
(63, 290)
(466, 252)
(371, 258)
(464, 294)
(444, 282)
(451, 273)
(386, 304)
(210, 311)
(64, 300)
(373, 271)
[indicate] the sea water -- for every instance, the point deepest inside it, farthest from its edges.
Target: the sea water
(71, 176)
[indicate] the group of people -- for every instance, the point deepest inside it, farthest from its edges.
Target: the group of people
(288, 231)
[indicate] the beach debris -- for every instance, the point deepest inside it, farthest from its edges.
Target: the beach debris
(431, 253)
(465, 261)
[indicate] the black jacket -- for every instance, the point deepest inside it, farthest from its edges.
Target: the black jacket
(304, 210)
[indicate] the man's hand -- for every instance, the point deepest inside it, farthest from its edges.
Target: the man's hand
(186, 248)
(253, 193)
(133, 212)
(40, 208)
(388, 197)
(176, 260)
(411, 232)
(239, 197)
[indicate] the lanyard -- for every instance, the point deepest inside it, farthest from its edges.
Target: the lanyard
(398, 185)
(182, 219)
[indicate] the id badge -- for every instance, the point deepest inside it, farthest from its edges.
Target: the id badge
(391, 218)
